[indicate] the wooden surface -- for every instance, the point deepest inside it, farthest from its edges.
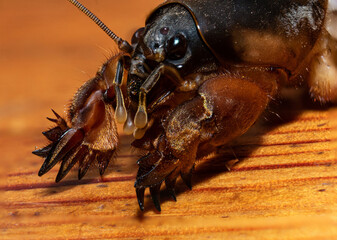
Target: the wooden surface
(284, 186)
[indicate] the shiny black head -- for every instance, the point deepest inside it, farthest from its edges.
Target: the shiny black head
(169, 37)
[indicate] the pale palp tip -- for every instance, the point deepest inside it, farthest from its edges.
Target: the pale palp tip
(139, 133)
(120, 114)
(129, 126)
(140, 118)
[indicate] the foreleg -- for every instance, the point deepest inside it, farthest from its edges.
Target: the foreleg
(90, 133)
(224, 108)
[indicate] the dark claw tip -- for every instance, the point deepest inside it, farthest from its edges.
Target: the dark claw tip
(55, 113)
(140, 197)
(141, 206)
(52, 120)
(154, 191)
(41, 172)
(81, 174)
(43, 152)
(136, 184)
(60, 176)
(38, 153)
(187, 179)
(188, 182)
(173, 194)
(44, 169)
(58, 179)
(101, 170)
(157, 204)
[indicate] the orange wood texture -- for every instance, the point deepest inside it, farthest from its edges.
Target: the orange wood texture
(283, 187)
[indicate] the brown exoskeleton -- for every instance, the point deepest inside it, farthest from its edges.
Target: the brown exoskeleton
(198, 75)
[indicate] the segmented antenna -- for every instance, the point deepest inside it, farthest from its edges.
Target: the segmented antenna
(122, 44)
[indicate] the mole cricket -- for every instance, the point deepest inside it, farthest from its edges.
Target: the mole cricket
(198, 75)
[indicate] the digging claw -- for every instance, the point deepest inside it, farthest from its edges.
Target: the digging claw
(84, 165)
(66, 146)
(170, 184)
(172, 194)
(53, 134)
(155, 194)
(140, 197)
(43, 152)
(70, 160)
(73, 144)
(154, 168)
(187, 178)
(59, 121)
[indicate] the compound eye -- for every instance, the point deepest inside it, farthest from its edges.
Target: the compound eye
(176, 47)
(137, 35)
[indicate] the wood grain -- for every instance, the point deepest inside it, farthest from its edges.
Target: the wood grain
(284, 185)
